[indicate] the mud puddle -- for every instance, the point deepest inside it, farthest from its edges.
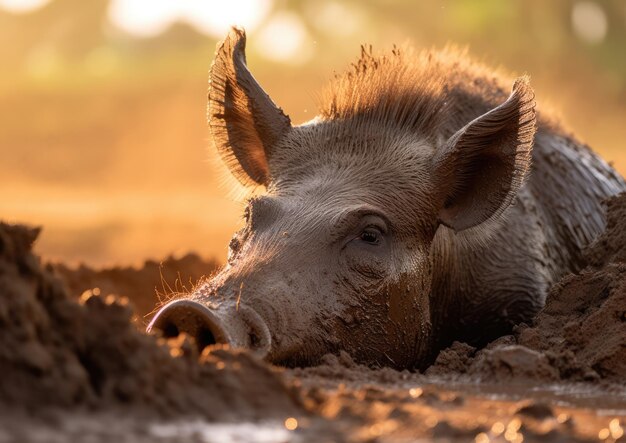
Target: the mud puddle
(76, 366)
(369, 412)
(112, 428)
(390, 406)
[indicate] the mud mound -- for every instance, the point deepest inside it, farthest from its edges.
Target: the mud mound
(145, 287)
(579, 335)
(611, 246)
(55, 351)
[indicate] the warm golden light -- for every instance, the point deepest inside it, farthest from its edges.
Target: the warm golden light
(497, 428)
(604, 434)
(415, 392)
(291, 424)
(617, 431)
(562, 418)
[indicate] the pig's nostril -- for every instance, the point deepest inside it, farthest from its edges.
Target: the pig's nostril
(205, 338)
(255, 341)
(192, 318)
(170, 330)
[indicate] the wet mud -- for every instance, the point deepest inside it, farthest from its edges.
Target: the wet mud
(74, 364)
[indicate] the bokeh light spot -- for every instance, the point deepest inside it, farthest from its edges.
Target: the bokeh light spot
(22, 6)
(212, 18)
(415, 392)
(284, 39)
(336, 18)
(291, 424)
(589, 22)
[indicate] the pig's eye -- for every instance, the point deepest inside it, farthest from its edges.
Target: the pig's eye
(371, 235)
(367, 233)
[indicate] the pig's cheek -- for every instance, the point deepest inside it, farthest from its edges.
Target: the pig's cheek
(364, 271)
(367, 267)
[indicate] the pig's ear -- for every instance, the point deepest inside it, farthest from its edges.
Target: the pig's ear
(482, 166)
(244, 122)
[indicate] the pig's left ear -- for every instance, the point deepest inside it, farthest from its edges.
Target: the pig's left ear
(244, 122)
(481, 167)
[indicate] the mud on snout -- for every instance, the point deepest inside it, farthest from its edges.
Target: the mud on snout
(237, 326)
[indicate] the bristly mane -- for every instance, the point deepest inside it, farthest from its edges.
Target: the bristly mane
(434, 92)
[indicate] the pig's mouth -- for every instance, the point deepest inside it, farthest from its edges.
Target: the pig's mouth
(236, 326)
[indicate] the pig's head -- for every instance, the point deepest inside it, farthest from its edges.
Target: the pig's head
(336, 254)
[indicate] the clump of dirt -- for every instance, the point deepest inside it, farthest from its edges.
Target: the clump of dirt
(146, 287)
(611, 246)
(55, 351)
(579, 335)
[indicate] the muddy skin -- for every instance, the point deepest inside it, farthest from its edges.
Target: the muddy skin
(404, 217)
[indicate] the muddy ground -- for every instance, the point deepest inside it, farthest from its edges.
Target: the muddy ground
(76, 366)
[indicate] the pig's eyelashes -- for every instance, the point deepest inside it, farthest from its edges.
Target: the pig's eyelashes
(371, 235)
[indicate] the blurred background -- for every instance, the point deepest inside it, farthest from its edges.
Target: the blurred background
(103, 138)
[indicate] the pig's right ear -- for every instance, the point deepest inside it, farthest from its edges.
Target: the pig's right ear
(245, 123)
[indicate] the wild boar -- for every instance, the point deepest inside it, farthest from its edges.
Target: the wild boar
(424, 204)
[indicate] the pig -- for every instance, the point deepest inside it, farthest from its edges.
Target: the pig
(426, 203)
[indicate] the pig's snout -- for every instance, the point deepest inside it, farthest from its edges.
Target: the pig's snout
(238, 327)
(192, 318)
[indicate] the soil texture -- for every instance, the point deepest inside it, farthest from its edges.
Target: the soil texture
(76, 366)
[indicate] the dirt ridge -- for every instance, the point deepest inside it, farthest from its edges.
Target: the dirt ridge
(57, 351)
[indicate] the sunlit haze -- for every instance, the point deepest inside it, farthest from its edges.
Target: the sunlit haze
(150, 17)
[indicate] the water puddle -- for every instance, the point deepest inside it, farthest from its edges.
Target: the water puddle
(264, 432)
